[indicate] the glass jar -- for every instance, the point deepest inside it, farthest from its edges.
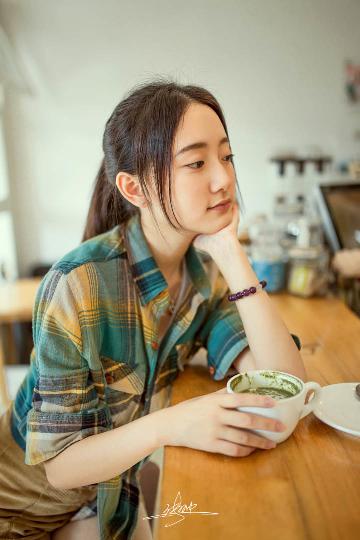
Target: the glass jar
(308, 271)
(267, 257)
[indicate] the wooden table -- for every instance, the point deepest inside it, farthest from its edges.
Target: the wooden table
(306, 488)
(16, 304)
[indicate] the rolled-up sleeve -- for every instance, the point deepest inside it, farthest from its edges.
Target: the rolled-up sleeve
(223, 333)
(65, 404)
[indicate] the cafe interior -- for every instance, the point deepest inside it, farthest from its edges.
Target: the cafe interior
(287, 75)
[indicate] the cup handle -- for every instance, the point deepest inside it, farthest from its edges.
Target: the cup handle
(308, 407)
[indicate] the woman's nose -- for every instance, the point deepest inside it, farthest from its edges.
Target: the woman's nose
(222, 177)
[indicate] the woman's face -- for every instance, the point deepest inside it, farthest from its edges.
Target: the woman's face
(203, 175)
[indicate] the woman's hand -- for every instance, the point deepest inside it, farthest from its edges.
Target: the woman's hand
(213, 424)
(347, 262)
(210, 242)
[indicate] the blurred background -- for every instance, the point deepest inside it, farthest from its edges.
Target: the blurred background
(287, 76)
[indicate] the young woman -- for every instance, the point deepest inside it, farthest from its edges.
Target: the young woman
(116, 318)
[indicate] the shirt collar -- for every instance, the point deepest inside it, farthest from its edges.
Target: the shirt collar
(145, 271)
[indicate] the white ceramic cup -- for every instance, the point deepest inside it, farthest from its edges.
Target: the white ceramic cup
(288, 410)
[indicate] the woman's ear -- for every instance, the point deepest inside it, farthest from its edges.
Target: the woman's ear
(130, 188)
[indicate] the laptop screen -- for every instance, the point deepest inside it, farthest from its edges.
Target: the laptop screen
(339, 206)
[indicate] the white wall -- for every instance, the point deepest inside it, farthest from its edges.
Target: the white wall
(276, 66)
(8, 257)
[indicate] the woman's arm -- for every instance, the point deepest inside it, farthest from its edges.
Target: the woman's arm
(270, 342)
(103, 456)
(244, 361)
(269, 339)
(207, 423)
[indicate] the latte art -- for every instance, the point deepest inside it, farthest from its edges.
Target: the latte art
(276, 393)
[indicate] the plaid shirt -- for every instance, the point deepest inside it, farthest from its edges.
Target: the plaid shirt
(97, 362)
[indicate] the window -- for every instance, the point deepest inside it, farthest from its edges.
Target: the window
(8, 264)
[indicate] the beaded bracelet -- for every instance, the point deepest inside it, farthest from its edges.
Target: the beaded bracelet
(247, 292)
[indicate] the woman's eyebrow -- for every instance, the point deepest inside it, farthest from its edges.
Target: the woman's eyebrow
(200, 145)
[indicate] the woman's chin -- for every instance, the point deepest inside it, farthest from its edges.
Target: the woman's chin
(213, 230)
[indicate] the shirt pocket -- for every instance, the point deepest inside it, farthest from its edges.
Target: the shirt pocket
(124, 388)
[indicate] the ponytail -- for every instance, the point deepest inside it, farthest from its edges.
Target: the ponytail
(108, 207)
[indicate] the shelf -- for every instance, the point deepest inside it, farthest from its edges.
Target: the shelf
(301, 162)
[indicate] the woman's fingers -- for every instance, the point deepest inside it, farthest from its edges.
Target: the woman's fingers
(231, 449)
(245, 438)
(240, 419)
(250, 421)
(245, 400)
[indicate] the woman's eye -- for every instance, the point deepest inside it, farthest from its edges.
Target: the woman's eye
(199, 164)
(195, 163)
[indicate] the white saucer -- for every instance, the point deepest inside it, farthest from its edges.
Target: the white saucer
(339, 407)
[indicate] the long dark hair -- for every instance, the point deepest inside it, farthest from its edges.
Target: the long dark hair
(138, 140)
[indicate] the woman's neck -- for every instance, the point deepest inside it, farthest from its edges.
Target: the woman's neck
(167, 249)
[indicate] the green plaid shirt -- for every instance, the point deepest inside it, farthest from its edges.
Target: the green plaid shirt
(97, 362)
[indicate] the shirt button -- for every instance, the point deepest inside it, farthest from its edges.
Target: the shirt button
(212, 370)
(154, 345)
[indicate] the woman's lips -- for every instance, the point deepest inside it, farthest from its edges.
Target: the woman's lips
(221, 207)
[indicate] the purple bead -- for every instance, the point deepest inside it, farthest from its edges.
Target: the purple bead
(246, 292)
